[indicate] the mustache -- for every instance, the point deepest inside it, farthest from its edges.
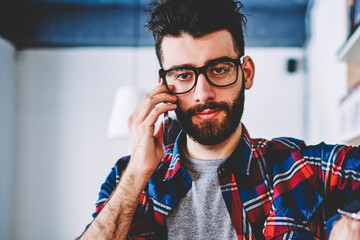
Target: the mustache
(209, 105)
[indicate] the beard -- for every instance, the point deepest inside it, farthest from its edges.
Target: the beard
(213, 131)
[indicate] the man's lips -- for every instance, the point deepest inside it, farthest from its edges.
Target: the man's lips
(207, 114)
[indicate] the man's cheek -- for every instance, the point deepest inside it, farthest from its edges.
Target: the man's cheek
(182, 109)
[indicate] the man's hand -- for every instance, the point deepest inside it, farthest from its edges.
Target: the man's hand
(345, 229)
(114, 220)
(147, 147)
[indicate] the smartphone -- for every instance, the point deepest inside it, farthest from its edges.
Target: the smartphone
(166, 122)
(351, 210)
(166, 128)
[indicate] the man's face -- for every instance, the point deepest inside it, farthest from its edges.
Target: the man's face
(208, 114)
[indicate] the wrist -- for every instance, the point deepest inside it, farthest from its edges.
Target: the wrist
(140, 170)
(133, 179)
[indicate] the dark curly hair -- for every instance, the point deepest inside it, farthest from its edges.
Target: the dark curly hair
(197, 18)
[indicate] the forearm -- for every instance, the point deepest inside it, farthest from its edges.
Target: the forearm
(114, 220)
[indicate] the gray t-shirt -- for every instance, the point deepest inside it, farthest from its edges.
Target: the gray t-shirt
(202, 213)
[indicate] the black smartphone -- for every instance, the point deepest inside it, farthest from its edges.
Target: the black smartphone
(166, 123)
(351, 210)
(166, 128)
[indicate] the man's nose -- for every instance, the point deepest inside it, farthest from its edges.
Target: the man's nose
(204, 91)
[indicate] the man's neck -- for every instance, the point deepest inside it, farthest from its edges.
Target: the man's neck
(224, 149)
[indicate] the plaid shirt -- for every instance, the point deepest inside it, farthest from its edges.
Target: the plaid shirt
(278, 189)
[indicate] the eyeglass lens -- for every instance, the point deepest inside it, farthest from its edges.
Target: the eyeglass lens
(220, 74)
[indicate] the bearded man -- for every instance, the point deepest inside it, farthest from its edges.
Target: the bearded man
(215, 181)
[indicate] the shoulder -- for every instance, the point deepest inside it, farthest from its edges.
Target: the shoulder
(277, 150)
(287, 143)
(319, 151)
(281, 144)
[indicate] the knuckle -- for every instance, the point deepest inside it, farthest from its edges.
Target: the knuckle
(157, 110)
(131, 120)
(130, 125)
(147, 95)
(148, 101)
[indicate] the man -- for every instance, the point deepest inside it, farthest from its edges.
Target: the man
(215, 182)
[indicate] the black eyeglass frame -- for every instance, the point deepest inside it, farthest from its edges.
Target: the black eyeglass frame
(202, 70)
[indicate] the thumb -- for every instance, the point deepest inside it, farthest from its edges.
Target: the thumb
(159, 134)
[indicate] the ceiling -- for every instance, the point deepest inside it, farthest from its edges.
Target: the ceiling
(74, 23)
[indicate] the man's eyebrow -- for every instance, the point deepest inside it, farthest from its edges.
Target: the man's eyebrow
(217, 60)
(188, 65)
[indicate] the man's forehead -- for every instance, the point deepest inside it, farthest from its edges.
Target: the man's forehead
(186, 49)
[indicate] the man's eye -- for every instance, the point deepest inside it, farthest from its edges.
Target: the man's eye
(184, 76)
(180, 75)
(220, 70)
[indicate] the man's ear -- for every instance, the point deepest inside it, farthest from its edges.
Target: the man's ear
(248, 67)
(160, 81)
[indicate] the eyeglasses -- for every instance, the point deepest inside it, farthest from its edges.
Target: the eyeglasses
(220, 73)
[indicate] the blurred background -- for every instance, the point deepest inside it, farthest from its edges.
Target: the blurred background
(70, 71)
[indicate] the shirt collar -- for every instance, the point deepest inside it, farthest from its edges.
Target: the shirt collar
(240, 158)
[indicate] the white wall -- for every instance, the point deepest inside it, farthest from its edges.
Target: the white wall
(326, 74)
(7, 116)
(274, 105)
(63, 154)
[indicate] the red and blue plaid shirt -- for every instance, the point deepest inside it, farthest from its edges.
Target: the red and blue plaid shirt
(278, 189)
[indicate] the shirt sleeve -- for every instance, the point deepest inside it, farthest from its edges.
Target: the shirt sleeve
(338, 169)
(110, 183)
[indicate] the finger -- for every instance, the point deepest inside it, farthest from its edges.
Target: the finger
(159, 135)
(156, 91)
(157, 111)
(150, 102)
(160, 89)
(152, 117)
